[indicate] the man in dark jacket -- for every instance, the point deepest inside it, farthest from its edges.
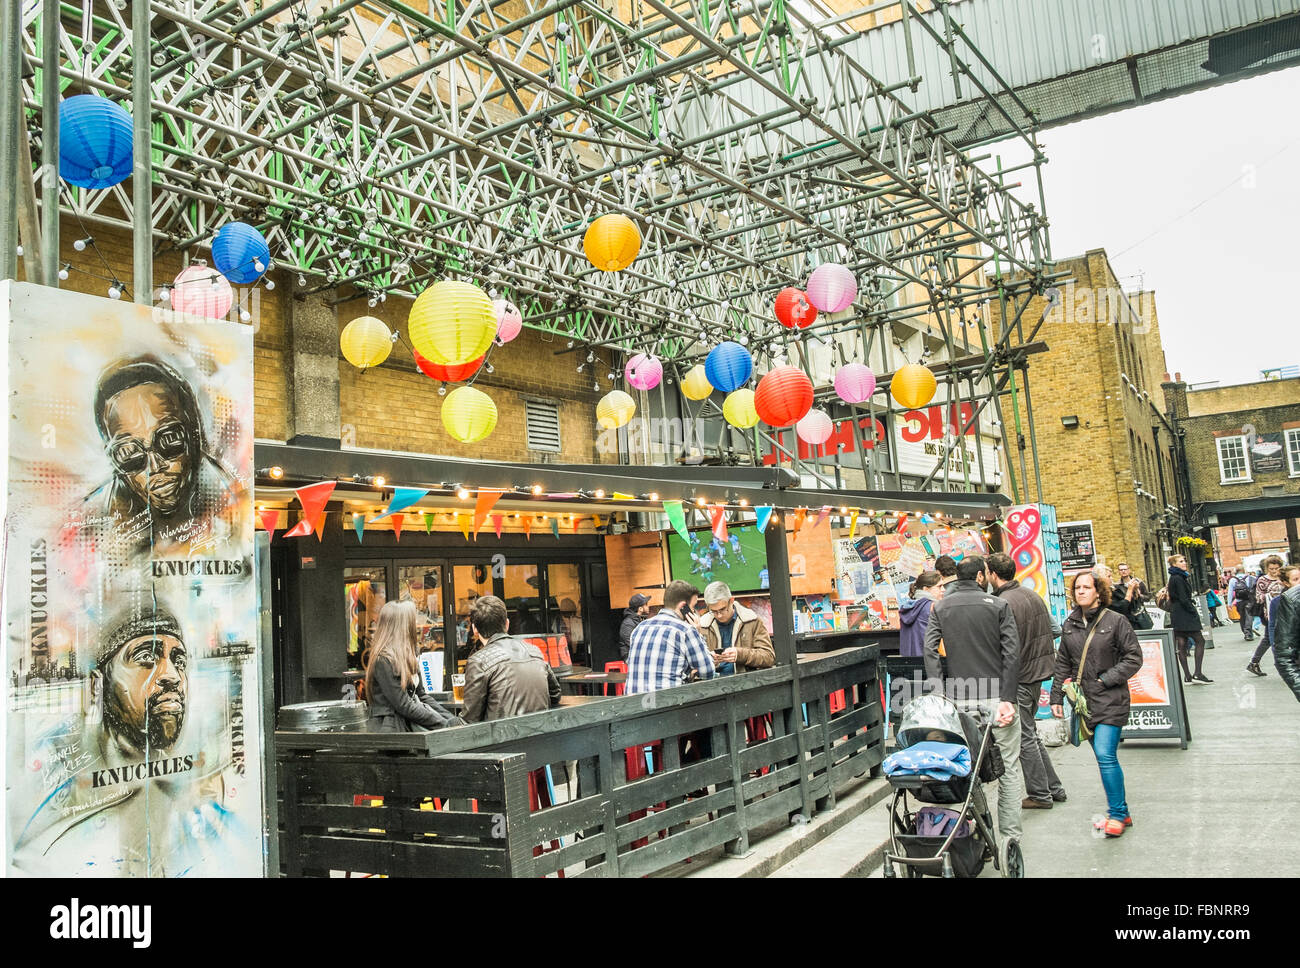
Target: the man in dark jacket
(1186, 619)
(637, 611)
(983, 649)
(504, 677)
(1286, 639)
(1037, 634)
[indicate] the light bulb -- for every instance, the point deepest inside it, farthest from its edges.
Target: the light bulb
(270, 283)
(442, 390)
(491, 368)
(20, 250)
(463, 494)
(245, 315)
(165, 295)
(258, 266)
(580, 366)
(80, 244)
(372, 302)
(591, 357)
(63, 273)
(537, 490)
(114, 292)
(302, 280)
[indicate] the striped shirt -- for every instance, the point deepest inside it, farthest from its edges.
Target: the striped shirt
(664, 649)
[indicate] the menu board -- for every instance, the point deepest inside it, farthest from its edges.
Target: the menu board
(1157, 708)
(1078, 548)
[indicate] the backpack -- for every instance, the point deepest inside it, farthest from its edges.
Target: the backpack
(1162, 600)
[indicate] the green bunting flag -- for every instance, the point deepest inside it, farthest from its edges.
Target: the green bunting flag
(677, 518)
(359, 524)
(555, 526)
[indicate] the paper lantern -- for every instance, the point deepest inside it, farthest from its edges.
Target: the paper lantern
(643, 372)
(447, 374)
(783, 396)
(452, 322)
(815, 428)
(738, 409)
(913, 386)
(96, 139)
(469, 414)
(237, 251)
(201, 290)
(696, 385)
(509, 320)
(855, 383)
(615, 409)
(366, 342)
(831, 287)
(793, 309)
(612, 242)
(728, 366)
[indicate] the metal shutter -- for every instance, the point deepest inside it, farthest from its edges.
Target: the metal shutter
(542, 425)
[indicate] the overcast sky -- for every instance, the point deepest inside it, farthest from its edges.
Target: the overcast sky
(1200, 196)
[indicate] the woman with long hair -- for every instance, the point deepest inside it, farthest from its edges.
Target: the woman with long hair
(398, 701)
(1106, 646)
(914, 614)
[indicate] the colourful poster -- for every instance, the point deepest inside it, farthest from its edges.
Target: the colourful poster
(133, 727)
(1149, 687)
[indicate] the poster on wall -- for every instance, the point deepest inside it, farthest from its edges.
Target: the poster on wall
(132, 690)
(1078, 547)
(1267, 454)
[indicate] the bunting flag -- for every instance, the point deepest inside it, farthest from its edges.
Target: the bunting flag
(577, 522)
(528, 527)
(677, 518)
(463, 521)
(822, 515)
(299, 530)
(555, 526)
(595, 519)
(762, 515)
(313, 499)
(496, 523)
(799, 516)
(397, 526)
(482, 505)
(428, 522)
(926, 519)
(624, 497)
(359, 525)
(853, 524)
(403, 498)
(718, 518)
(902, 522)
(270, 518)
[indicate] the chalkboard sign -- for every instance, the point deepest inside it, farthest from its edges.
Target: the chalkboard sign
(1078, 549)
(1157, 708)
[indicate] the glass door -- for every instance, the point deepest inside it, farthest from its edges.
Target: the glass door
(365, 590)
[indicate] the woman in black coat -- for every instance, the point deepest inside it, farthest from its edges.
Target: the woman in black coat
(1113, 657)
(1186, 619)
(398, 702)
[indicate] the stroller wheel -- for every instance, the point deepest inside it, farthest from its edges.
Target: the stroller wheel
(1011, 860)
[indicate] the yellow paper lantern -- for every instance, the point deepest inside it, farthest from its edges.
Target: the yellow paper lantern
(615, 409)
(696, 386)
(739, 409)
(366, 342)
(913, 386)
(452, 322)
(612, 242)
(469, 414)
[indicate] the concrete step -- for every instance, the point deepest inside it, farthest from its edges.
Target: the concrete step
(852, 851)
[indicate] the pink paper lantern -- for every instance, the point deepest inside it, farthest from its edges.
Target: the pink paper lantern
(509, 320)
(831, 287)
(201, 290)
(815, 428)
(855, 383)
(643, 372)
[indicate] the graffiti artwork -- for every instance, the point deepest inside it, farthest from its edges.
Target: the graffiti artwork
(131, 688)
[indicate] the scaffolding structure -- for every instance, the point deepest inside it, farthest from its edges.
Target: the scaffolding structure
(380, 146)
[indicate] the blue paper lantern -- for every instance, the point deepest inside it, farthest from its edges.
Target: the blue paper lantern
(728, 366)
(95, 141)
(237, 251)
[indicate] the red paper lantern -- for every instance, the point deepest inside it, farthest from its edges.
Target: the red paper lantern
(783, 396)
(452, 373)
(793, 309)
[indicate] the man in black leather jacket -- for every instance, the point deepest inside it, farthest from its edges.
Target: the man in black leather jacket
(1286, 639)
(504, 676)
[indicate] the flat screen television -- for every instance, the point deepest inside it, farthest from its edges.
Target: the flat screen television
(740, 560)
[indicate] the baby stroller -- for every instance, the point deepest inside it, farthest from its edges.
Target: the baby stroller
(935, 839)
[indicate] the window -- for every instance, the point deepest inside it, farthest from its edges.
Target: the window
(1243, 534)
(1293, 451)
(542, 425)
(1234, 466)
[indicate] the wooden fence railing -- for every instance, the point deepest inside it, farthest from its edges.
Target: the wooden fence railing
(621, 787)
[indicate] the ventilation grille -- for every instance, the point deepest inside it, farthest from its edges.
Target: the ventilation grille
(542, 426)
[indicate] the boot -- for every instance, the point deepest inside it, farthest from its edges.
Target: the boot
(1255, 669)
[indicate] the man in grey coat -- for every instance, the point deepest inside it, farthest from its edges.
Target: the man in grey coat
(1037, 634)
(979, 636)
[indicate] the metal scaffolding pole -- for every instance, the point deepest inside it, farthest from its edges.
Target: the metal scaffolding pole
(50, 33)
(142, 175)
(10, 121)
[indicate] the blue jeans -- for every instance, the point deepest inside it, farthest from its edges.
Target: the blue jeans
(1105, 742)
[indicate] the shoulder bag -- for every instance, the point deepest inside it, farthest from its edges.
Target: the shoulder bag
(1079, 728)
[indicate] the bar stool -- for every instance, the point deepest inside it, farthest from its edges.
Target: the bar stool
(540, 797)
(615, 667)
(639, 765)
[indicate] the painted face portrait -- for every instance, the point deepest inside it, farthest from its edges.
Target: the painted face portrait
(144, 687)
(150, 446)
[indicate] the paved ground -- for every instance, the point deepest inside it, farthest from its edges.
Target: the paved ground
(1224, 807)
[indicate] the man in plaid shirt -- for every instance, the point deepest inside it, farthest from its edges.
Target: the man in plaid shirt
(665, 648)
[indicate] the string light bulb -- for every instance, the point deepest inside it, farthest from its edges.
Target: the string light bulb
(537, 490)
(115, 291)
(80, 244)
(463, 493)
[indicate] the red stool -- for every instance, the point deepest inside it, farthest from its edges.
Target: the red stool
(837, 701)
(538, 799)
(637, 767)
(757, 729)
(615, 667)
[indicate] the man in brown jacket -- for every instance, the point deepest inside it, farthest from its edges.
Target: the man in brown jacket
(1036, 631)
(504, 677)
(735, 633)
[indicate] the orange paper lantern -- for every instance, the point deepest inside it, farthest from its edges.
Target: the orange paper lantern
(612, 242)
(913, 386)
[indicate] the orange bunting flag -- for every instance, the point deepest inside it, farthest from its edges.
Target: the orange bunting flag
(270, 518)
(482, 505)
(718, 518)
(463, 521)
(313, 499)
(902, 522)
(595, 519)
(299, 530)
(799, 516)
(528, 527)
(577, 521)
(397, 525)
(497, 519)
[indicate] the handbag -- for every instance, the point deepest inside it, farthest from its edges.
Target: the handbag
(1233, 613)
(1079, 728)
(1143, 620)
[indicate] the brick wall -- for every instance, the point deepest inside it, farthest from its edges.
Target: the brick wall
(1242, 396)
(1203, 458)
(1239, 541)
